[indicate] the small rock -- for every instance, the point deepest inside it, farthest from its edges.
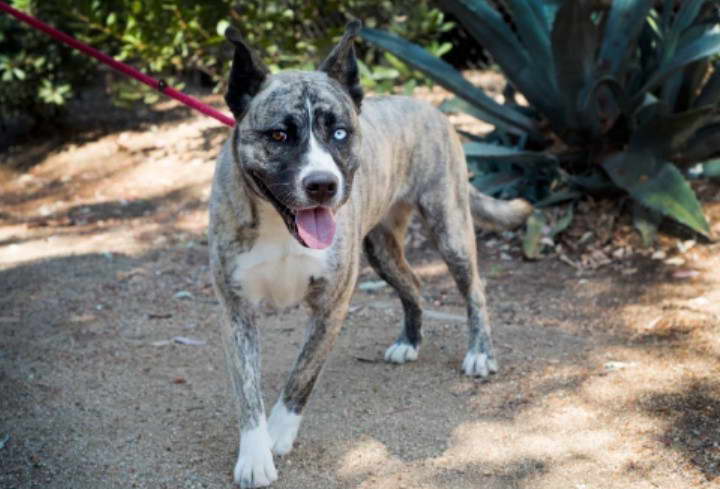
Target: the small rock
(684, 246)
(659, 255)
(184, 294)
(611, 366)
(372, 285)
(675, 261)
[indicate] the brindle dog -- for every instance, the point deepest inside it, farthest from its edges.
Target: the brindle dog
(313, 174)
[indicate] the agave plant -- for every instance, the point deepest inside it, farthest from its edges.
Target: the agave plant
(622, 96)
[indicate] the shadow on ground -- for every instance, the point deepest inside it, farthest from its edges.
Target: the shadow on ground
(98, 397)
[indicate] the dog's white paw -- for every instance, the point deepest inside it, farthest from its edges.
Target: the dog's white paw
(283, 428)
(478, 365)
(255, 466)
(400, 352)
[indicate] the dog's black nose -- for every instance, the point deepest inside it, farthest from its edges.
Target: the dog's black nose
(320, 186)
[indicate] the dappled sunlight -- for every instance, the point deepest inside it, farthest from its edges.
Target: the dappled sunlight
(607, 381)
(368, 458)
(151, 190)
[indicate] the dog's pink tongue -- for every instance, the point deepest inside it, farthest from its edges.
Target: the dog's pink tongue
(316, 227)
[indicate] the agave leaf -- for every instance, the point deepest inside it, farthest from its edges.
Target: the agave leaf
(665, 134)
(498, 153)
(657, 184)
(532, 241)
(595, 182)
(689, 10)
(492, 32)
(574, 40)
(549, 8)
(693, 78)
(710, 94)
(601, 103)
(646, 221)
(623, 26)
(456, 104)
(648, 41)
(534, 31)
(704, 144)
(445, 75)
(497, 181)
(701, 48)
(556, 197)
(668, 7)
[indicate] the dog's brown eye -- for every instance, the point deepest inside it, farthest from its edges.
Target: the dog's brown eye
(279, 136)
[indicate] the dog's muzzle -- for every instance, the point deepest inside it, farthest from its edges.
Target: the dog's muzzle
(314, 226)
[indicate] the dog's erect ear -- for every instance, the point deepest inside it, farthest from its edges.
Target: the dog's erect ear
(246, 76)
(342, 65)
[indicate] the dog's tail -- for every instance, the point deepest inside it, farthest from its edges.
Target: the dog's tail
(497, 215)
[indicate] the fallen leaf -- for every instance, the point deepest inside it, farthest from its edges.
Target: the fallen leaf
(682, 273)
(186, 340)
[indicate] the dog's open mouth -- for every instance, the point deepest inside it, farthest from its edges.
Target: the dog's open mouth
(313, 227)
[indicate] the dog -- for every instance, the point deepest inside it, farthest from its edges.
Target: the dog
(312, 174)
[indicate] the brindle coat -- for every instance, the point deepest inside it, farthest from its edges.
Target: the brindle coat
(396, 155)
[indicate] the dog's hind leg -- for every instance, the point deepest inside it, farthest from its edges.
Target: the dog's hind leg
(447, 214)
(329, 301)
(384, 248)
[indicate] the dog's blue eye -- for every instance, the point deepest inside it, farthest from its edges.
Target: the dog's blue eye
(340, 134)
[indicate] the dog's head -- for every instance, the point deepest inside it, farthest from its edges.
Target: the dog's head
(297, 135)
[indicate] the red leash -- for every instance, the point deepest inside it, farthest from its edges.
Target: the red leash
(158, 85)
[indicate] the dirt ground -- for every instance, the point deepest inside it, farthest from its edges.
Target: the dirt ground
(112, 375)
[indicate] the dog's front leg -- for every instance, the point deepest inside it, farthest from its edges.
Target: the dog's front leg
(254, 466)
(329, 306)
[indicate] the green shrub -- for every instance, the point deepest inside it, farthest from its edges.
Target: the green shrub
(173, 38)
(36, 76)
(618, 96)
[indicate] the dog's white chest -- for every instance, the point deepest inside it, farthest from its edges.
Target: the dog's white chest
(277, 270)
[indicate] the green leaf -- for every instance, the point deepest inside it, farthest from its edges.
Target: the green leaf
(498, 153)
(558, 197)
(694, 77)
(488, 27)
(623, 26)
(658, 185)
(446, 76)
(663, 135)
(689, 10)
(574, 40)
(703, 47)
(646, 221)
(534, 31)
(532, 241)
(704, 144)
(497, 181)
